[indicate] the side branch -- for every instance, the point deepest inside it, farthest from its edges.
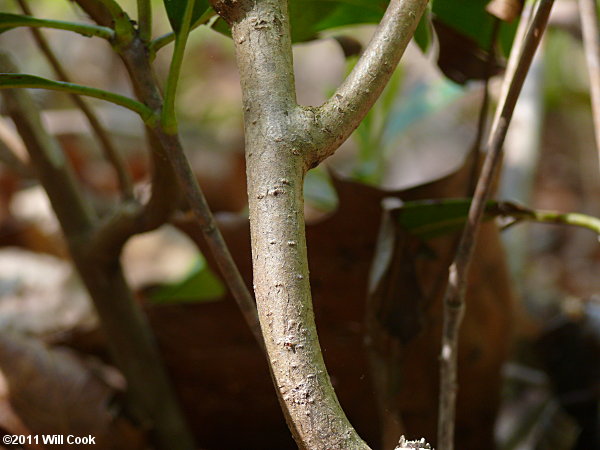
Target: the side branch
(167, 178)
(337, 118)
(131, 217)
(214, 239)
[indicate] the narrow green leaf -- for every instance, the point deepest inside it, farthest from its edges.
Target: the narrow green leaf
(20, 80)
(198, 285)
(10, 21)
(431, 218)
(176, 9)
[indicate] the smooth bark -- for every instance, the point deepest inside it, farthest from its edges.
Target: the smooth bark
(284, 140)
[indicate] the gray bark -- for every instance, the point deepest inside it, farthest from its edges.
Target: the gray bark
(284, 140)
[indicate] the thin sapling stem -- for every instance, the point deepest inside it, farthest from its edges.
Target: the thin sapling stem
(454, 301)
(168, 118)
(144, 8)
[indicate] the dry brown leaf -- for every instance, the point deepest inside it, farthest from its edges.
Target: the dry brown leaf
(460, 57)
(54, 392)
(10, 423)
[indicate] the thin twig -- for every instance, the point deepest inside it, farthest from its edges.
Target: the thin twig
(110, 152)
(137, 62)
(212, 234)
(590, 32)
(96, 11)
(513, 58)
(519, 213)
(131, 218)
(167, 135)
(457, 281)
(338, 117)
(168, 116)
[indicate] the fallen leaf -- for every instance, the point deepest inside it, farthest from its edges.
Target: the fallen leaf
(55, 393)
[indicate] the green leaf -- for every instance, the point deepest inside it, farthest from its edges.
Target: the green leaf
(470, 18)
(467, 16)
(310, 17)
(10, 21)
(20, 80)
(198, 285)
(431, 218)
(176, 8)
